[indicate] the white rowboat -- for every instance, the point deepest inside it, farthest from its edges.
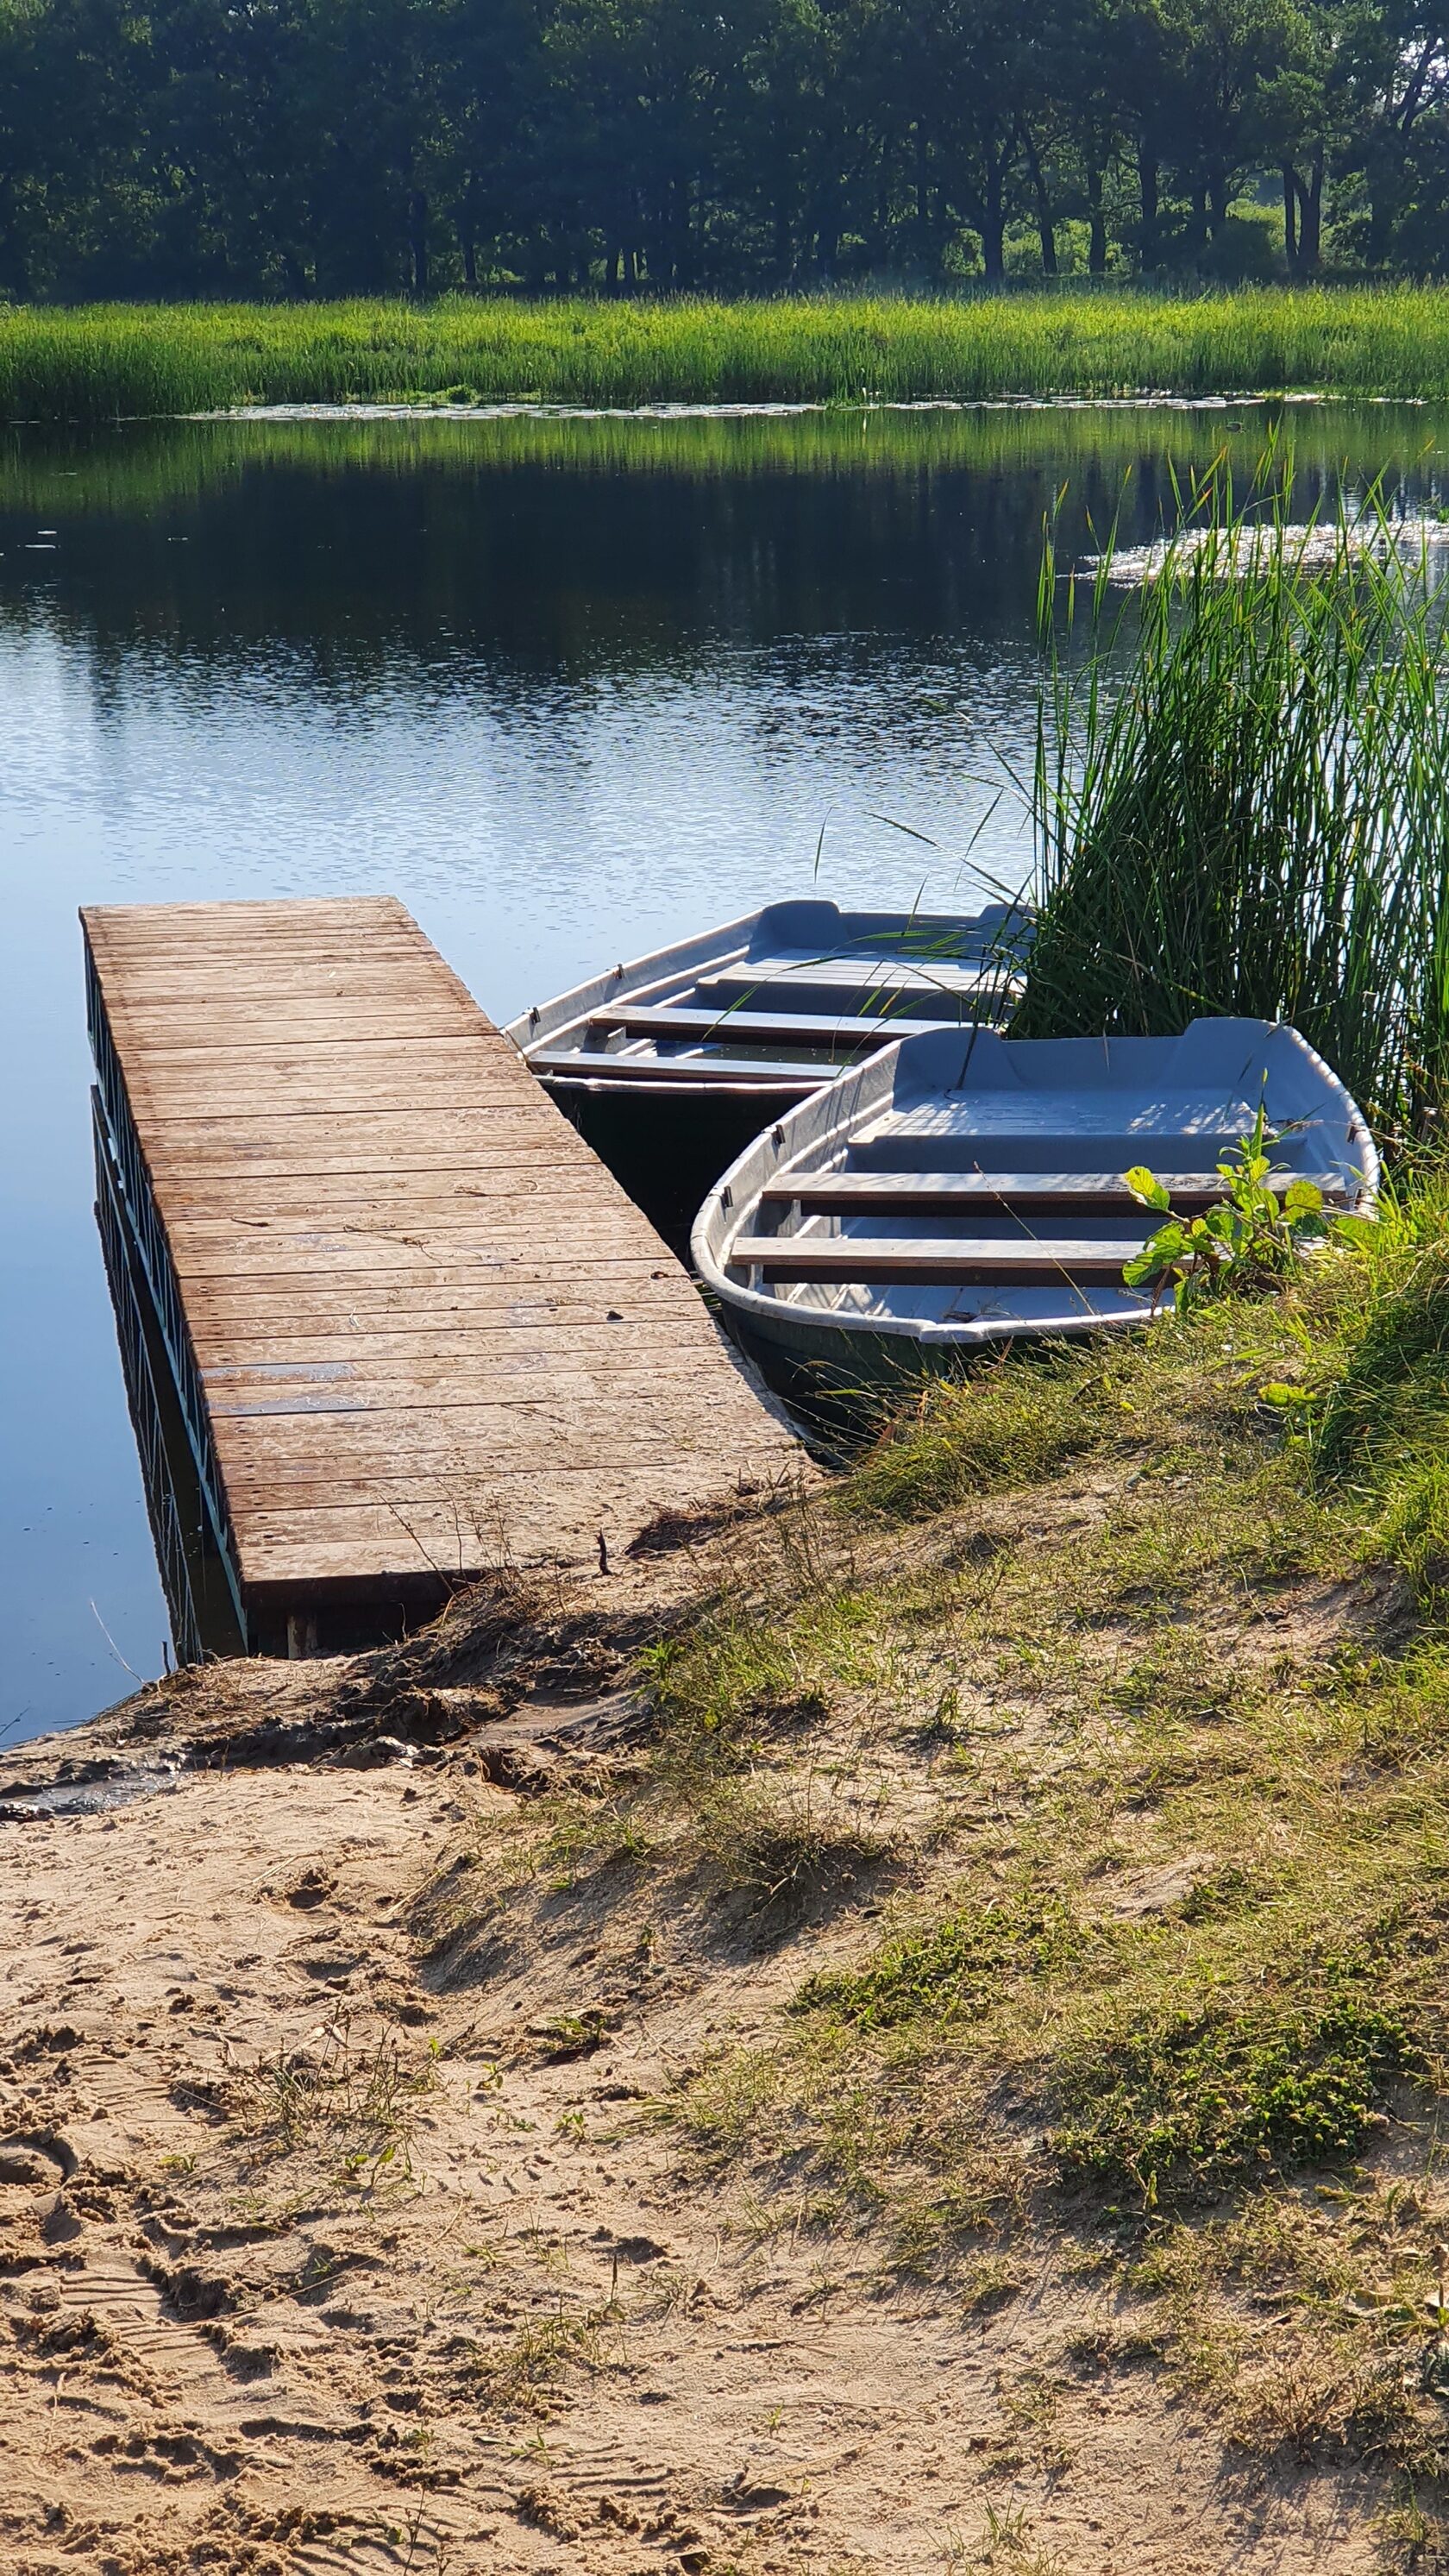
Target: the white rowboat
(671, 1064)
(962, 1188)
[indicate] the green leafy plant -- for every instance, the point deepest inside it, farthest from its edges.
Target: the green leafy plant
(1246, 1243)
(1208, 2087)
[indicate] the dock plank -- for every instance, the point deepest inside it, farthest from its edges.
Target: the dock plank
(428, 1329)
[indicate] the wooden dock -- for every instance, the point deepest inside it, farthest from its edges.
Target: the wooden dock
(417, 1330)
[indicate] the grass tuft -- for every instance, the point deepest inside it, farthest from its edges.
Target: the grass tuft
(524, 2372)
(1393, 1396)
(1014, 1422)
(784, 1854)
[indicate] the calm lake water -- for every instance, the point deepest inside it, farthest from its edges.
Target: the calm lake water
(570, 687)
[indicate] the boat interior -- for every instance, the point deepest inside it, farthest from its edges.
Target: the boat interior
(961, 1188)
(776, 1001)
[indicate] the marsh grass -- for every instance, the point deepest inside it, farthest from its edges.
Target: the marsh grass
(1241, 795)
(102, 361)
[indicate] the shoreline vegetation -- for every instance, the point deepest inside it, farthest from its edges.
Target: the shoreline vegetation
(1014, 1889)
(1239, 791)
(99, 363)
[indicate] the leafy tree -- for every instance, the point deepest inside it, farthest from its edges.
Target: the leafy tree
(298, 146)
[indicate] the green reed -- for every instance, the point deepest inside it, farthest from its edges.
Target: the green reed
(1241, 795)
(103, 361)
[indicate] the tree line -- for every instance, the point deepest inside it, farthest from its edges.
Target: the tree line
(298, 147)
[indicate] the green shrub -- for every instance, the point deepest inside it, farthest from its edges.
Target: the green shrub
(1213, 2090)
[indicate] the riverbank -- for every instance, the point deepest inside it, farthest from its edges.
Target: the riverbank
(902, 2031)
(102, 362)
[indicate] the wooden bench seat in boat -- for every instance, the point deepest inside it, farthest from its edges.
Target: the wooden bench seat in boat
(829, 978)
(800, 1079)
(897, 1194)
(782, 1257)
(734, 1027)
(1019, 1150)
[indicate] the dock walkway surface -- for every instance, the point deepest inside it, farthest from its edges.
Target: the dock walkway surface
(417, 1329)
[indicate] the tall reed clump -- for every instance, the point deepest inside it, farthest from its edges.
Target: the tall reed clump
(1241, 796)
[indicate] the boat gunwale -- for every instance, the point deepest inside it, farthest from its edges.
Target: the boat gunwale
(788, 1089)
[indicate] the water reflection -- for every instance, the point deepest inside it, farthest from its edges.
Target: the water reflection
(570, 688)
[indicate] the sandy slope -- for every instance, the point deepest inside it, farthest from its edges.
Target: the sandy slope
(235, 2337)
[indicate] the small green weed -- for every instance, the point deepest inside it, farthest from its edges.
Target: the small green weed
(1245, 1246)
(1415, 2533)
(1005, 2544)
(523, 2373)
(355, 2102)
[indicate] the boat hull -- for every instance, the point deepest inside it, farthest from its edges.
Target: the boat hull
(667, 1145)
(823, 1369)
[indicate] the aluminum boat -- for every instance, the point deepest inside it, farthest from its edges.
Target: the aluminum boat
(961, 1188)
(672, 1064)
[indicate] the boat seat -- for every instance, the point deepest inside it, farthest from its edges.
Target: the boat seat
(594, 1064)
(831, 982)
(785, 1257)
(891, 1194)
(1019, 1149)
(738, 1026)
